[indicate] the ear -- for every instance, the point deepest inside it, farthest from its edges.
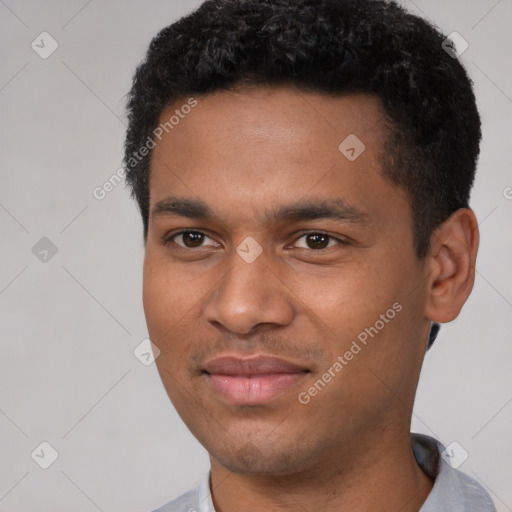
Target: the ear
(451, 265)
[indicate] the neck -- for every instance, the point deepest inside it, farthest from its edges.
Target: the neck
(382, 475)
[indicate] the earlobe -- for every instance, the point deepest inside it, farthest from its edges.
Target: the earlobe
(451, 259)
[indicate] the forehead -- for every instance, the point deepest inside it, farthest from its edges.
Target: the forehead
(275, 115)
(263, 145)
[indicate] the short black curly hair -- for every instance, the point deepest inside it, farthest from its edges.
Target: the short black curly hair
(327, 46)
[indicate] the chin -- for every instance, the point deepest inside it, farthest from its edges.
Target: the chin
(263, 459)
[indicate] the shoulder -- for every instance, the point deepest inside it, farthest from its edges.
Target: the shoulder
(187, 502)
(453, 490)
(196, 500)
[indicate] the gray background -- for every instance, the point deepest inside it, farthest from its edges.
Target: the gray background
(69, 325)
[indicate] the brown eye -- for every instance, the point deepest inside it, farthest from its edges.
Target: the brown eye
(189, 239)
(318, 241)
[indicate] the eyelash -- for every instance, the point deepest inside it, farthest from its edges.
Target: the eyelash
(166, 240)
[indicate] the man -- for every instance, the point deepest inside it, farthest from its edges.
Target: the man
(303, 170)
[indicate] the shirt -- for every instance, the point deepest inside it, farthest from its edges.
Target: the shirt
(453, 491)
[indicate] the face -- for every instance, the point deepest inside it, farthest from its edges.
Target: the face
(280, 281)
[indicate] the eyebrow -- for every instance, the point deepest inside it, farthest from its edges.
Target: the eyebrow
(336, 209)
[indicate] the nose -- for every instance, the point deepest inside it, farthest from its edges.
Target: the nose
(250, 294)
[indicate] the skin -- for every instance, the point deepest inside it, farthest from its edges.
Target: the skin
(248, 152)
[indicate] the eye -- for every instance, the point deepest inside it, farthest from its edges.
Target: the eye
(189, 239)
(314, 241)
(317, 241)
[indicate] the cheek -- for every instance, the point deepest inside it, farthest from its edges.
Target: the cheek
(377, 320)
(166, 301)
(165, 308)
(171, 299)
(157, 302)
(350, 298)
(369, 303)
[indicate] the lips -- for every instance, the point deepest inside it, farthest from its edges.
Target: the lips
(258, 365)
(252, 381)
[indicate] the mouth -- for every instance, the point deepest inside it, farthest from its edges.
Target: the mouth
(252, 381)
